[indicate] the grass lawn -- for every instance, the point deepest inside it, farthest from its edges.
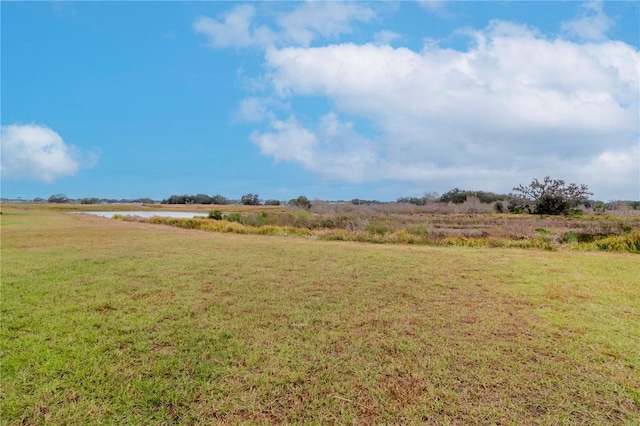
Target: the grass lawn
(114, 322)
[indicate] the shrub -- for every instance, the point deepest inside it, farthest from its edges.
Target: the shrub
(569, 237)
(575, 213)
(599, 208)
(419, 229)
(552, 205)
(301, 201)
(233, 217)
(377, 228)
(215, 214)
(628, 243)
(518, 205)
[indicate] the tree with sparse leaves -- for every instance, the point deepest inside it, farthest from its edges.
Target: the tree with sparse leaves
(58, 198)
(553, 196)
(250, 200)
(301, 201)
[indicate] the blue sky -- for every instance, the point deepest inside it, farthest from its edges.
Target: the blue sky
(331, 100)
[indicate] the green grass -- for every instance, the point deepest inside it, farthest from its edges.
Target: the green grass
(114, 322)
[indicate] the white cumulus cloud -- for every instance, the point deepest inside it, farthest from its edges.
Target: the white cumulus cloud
(591, 24)
(234, 30)
(300, 26)
(35, 152)
(332, 147)
(514, 103)
(320, 18)
(386, 37)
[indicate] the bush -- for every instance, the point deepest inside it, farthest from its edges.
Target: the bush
(377, 228)
(599, 208)
(625, 243)
(301, 201)
(418, 229)
(215, 214)
(233, 217)
(551, 205)
(575, 213)
(518, 206)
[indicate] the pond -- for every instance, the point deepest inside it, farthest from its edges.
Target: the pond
(179, 215)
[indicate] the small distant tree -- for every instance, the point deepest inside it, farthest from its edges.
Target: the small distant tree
(202, 199)
(301, 201)
(272, 203)
(58, 198)
(89, 200)
(454, 196)
(553, 196)
(219, 199)
(250, 200)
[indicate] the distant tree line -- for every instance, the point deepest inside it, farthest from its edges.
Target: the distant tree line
(456, 196)
(359, 202)
(546, 197)
(459, 196)
(63, 199)
(249, 199)
(196, 199)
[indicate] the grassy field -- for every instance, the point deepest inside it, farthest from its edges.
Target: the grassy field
(116, 322)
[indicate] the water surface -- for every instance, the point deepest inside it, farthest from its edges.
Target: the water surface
(179, 215)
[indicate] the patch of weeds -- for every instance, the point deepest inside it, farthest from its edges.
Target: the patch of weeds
(575, 213)
(377, 228)
(419, 229)
(215, 215)
(570, 237)
(625, 243)
(233, 217)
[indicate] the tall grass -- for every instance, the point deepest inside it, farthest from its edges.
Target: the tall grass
(118, 322)
(467, 231)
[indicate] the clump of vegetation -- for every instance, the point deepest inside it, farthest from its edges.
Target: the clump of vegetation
(58, 199)
(250, 200)
(196, 199)
(459, 196)
(215, 214)
(302, 202)
(623, 243)
(552, 196)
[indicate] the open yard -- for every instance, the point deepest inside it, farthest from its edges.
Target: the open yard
(117, 322)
